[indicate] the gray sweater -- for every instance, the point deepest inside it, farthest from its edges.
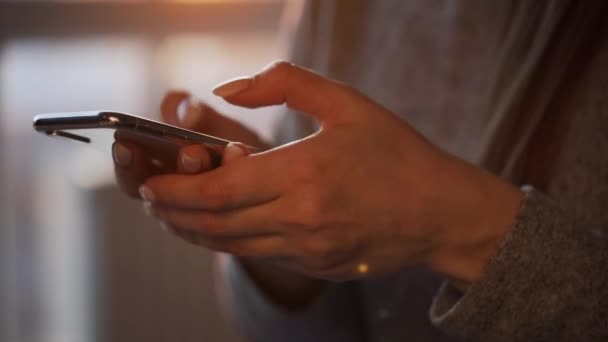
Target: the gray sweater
(437, 64)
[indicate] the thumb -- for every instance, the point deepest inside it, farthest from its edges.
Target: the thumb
(300, 89)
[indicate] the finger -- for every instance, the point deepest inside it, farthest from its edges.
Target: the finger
(301, 89)
(264, 246)
(196, 158)
(249, 221)
(233, 151)
(170, 104)
(131, 167)
(195, 113)
(242, 182)
(203, 118)
(209, 121)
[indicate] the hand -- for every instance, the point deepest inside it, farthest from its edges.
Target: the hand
(365, 195)
(133, 163)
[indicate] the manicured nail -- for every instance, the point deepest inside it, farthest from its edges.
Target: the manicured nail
(189, 109)
(232, 87)
(190, 164)
(232, 151)
(195, 111)
(122, 155)
(148, 209)
(146, 193)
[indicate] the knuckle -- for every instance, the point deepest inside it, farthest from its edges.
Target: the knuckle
(210, 224)
(279, 67)
(308, 212)
(311, 211)
(277, 70)
(215, 195)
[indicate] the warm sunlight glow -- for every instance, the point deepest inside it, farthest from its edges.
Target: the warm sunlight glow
(219, 1)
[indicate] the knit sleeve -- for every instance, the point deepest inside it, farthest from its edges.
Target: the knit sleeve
(548, 281)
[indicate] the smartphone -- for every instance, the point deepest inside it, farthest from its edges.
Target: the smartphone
(160, 142)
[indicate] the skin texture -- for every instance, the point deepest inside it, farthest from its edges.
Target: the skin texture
(365, 195)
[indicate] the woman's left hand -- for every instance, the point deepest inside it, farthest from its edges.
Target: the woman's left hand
(366, 194)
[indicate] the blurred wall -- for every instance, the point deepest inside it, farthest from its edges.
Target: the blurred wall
(79, 261)
(151, 286)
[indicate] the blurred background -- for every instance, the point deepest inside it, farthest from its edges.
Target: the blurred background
(80, 261)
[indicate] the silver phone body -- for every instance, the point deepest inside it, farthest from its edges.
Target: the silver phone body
(160, 142)
(76, 126)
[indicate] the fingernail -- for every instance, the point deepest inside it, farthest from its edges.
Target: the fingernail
(190, 163)
(146, 193)
(122, 155)
(148, 209)
(232, 87)
(232, 151)
(189, 110)
(182, 109)
(194, 114)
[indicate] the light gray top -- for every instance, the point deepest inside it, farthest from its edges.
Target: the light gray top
(440, 65)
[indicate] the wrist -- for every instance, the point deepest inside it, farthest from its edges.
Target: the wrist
(482, 210)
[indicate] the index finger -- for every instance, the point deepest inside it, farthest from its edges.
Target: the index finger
(300, 89)
(170, 104)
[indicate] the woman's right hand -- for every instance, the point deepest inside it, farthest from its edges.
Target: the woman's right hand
(132, 167)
